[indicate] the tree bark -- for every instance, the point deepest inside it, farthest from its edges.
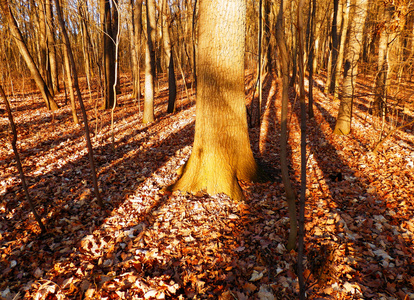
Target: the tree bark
(284, 66)
(149, 63)
(334, 49)
(169, 58)
(50, 31)
(18, 38)
(135, 37)
(343, 121)
(221, 154)
(341, 50)
(108, 54)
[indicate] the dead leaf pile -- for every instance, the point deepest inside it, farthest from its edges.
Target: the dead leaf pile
(148, 244)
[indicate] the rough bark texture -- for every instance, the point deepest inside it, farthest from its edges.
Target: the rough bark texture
(149, 63)
(343, 121)
(221, 153)
(14, 29)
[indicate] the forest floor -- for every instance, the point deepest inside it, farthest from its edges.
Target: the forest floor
(149, 245)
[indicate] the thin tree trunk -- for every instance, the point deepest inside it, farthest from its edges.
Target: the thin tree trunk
(311, 58)
(334, 49)
(85, 117)
(284, 66)
(149, 63)
(169, 58)
(70, 84)
(301, 237)
(50, 31)
(19, 164)
(18, 38)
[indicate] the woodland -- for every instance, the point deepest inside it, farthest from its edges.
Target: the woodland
(206, 149)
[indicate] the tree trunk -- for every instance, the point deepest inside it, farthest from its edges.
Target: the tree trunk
(334, 49)
(284, 66)
(311, 51)
(149, 63)
(18, 38)
(380, 101)
(19, 164)
(341, 51)
(70, 83)
(221, 154)
(343, 121)
(169, 58)
(68, 48)
(108, 54)
(54, 74)
(135, 37)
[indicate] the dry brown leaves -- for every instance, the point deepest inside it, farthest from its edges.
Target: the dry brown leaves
(151, 245)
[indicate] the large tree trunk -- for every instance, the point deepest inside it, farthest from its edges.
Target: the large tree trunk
(14, 29)
(149, 63)
(284, 66)
(343, 121)
(221, 154)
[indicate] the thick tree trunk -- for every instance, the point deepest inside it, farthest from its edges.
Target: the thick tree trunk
(343, 121)
(14, 29)
(149, 63)
(221, 154)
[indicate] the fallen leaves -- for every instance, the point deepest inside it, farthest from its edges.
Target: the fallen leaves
(150, 244)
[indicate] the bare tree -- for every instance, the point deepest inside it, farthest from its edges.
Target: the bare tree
(19, 164)
(18, 38)
(284, 65)
(85, 117)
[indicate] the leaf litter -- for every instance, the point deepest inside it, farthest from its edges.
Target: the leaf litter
(148, 244)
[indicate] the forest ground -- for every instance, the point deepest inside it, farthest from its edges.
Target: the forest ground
(150, 245)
